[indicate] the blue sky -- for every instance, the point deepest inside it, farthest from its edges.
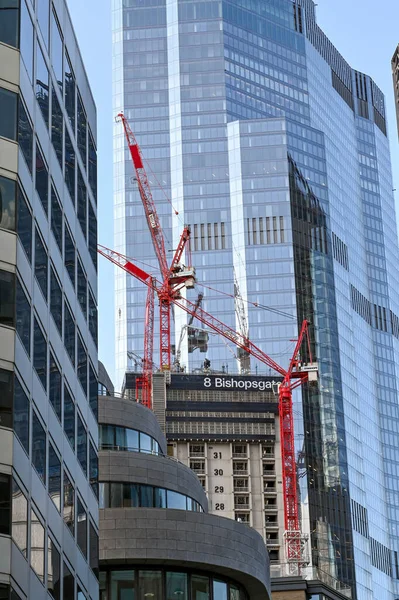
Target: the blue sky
(364, 32)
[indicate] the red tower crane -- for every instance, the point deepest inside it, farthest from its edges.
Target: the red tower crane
(174, 278)
(296, 375)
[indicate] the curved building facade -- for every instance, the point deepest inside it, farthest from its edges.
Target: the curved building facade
(157, 539)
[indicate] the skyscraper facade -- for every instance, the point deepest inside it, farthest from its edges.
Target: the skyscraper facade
(48, 308)
(275, 151)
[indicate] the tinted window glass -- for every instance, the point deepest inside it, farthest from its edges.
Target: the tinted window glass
(38, 447)
(81, 527)
(160, 498)
(37, 545)
(82, 365)
(41, 179)
(82, 289)
(82, 445)
(219, 590)
(92, 166)
(55, 386)
(199, 587)
(41, 264)
(70, 102)
(92, 235)
(21, 415)
(93, 391)
(57, 125)
(146, 495)
(82, 203)
(54, 477)
(56, 219)
(93, 550)
(69, 251)
(8, 192)
(69, 333)
(92, 318)
(176, 500)
(26, 44)
(8, 113)
(56, 301)
(5, 504)
(56, 49)
(176, 586)
(6, 395)
(70, 166)
(69, 417)
(150, 585)
(23, 317)
(93, 469)
(19, 518)
(9, 22)
(24, 224)
(145, 443)
(40, 353)
(25, 135)
(82, 131)
(69, 583)
(42, 84)
(69, 510)
(43, 16)
(53, 570)
(7, 298)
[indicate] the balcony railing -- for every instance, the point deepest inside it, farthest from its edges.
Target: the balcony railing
(241, 490)
(240, 455)
(197, 454)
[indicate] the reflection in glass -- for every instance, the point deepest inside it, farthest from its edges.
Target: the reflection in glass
(40, 353)
(150, 585)
(9, 14)
(36, 545)
(82, 131)
(56, 49)
(82, 445)
(56, 219)
(234, 593)
(25, 135)
(92, 166)
(70, 101)
(69, 506)
(8, 192)
(53, 570)
(69, 253)
(70, 162)
(5, 504)
(82, 203)
(92, 235)
(19, 518)
(55, 387)
(69, 333)
(93, 549)
(69, 417)
(41, 179)
(42, 84)
(68, 583)
(82, 289)
(122, 585)
(7, 298)
(41, 266)
(81, 533)
(24, 224)
(82, 365)
(56, 301)
(39, 447)
(145, 443)
(43, 16)
(176, 586)
(159, 498)
(176, 500)
(93, 318)
(199, 588)
(21, 415)
(93, 395)
(219, 590)
(93, 469)
(57, 125)
(146, 496)
(8, 114)
(26, 42)
(6, 397)
(54, 477)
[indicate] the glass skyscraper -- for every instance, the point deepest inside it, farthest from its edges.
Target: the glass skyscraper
(48, 309)
(275, 151)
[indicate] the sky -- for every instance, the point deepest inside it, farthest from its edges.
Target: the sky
(364, 32)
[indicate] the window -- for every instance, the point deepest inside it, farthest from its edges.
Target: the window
(53, 570)
(6, 394)
(70, 101)
(176, 500)
(40, 353)
(81, 527)
(21, 415)
(25, 134)
(93, 547)
(82, 131)
(36, 545)
(176, 586)
(70, 166)
(56, 219)
(39, 447)
(82, 203)
(150, 585)
(69, 333)
(82, 445)
(82, 365)
(147, 496)
(69, 417)
(8, 113)
(5, 503)
(43, 17)
(41, 266)
(24, 225)
(69, 508)
(42, 84)
(57, 126)
(7, 298)
(122, 585)
(219, 590)
(82, 289)
(93, 391)
(26, 42)
(41, 179)
(93, 318)
(69, 583)
(199, 588)
(56, 49)
(8, 193)
(92, 235)
(69, 252)
(160, 498)
(23, 312)
(93, 469)
(55, 386)
(92, 166)
(9, 22)
(54, 477)
(19, 518)
(56, 301)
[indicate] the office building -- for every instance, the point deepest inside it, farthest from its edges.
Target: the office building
(395, 75)
(157, 539)
(274, 149)
(48, 313)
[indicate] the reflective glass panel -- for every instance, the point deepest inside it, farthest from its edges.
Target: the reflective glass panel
(92, 235)
(219, 590)
(25, 135)
(70, 162)
(9, 22)
(82, 445)
(69, 333)
(56, 49)
(53, 570)
(160, 498)
(56, 219)
(23, 311)
(69, 508)
(6, 397)
(68, 583)
(24, 224)
(93, 469)
(92, 166)
(81, 533)
(55, 386)
(19, 518)
(8, 113)
(36, 545)
(41, 179)
(93, 318)
(40, 353)
(54, 477)
(41, 264)
(57, 126)
(56, 301)
(82, 131)
(146, 496)
(42, 84)
(82, 203)
(150, 585)
(145, 443)
(132, 439)
(7, 298)
(8, 193)
(70, 101)
(82, 289)
(5, 504)
(176, 500)
(21, 415)
(176, 586)
(69, 253)
(69, 417)
(93, 393)
(122, 585)
(39, 447)
(43, 16)
(26, 43)
(199, 587)
(82, 365)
